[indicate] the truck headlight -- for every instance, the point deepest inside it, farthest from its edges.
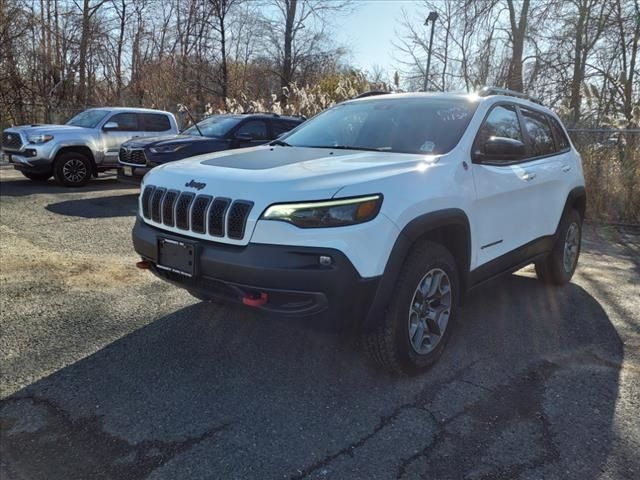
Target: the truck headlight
(35, 139)
(327, 213)
(168, 148)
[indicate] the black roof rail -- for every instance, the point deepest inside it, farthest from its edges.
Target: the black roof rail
(487, 91)
(371, 93)
(246, 112)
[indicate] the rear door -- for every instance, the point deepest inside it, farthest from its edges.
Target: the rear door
(505, 205)
(548, 160)
(128, 128)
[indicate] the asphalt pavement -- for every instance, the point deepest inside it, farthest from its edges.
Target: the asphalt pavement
(108, 373)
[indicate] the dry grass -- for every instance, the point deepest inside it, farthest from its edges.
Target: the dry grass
(612, 176)
(24, 263)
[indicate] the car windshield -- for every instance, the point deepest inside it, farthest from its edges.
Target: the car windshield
(216, 126)
(88, 118)
(427, 125)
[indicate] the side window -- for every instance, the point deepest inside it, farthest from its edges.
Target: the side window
(539, 132)
(502, 121)
(256, 129)
(279, 127)
(127, 122)
(562, 142)
(156, 122)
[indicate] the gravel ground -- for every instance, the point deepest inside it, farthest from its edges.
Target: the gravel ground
(108, 373)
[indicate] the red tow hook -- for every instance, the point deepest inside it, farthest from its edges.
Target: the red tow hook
(255, 301)
(143, 265)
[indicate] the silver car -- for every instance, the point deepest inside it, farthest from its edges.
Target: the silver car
(86, 145)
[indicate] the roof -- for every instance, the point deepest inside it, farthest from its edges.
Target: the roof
(451, 96)
(130, 109)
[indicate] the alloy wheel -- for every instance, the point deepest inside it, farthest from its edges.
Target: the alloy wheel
(429, 311)
(571, 245)
(74, 170)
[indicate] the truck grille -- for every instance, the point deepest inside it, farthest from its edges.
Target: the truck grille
(11, 141)
(197, 213)
(134, 156)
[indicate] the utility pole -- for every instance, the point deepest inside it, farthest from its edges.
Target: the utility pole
(433, 16)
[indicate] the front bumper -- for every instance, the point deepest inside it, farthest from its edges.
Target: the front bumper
(294, 281)
(29, 164)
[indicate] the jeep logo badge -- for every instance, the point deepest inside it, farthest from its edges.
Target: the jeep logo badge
(196, 185)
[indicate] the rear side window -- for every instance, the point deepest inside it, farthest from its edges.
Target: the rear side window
(256, 129)
(562, 142)
(156, 122)
(502, 121)
(127, 122)
(539, 133)
(279, 127)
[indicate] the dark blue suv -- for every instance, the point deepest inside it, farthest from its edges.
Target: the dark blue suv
(213, 134)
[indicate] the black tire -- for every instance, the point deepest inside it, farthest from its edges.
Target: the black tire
(553, 269)
(389, 344)
(72, 169)
(37, 177)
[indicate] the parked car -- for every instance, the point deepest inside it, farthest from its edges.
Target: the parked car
(86, 145)
(379, 214)
(215, 133)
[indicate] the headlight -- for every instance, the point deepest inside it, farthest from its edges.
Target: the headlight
(39, 138)
(329, 213)
(168, 148)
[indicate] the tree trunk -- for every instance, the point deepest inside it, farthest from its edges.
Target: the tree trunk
(518, 30)
(286, 76)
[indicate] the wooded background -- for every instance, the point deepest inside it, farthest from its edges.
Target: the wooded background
(579, 56)
(58, 56)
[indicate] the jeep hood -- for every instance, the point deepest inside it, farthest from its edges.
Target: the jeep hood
(282, 173)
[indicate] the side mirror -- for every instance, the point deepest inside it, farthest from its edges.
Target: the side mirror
(111, 126)
(501, 149)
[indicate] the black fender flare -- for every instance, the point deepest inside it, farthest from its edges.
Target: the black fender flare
(412, 232)
(577, 198)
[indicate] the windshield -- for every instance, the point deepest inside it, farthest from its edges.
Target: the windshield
(88, 118)
(405, 125)
(216, 126)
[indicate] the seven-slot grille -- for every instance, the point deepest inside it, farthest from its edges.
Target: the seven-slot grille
(218, 216)
(11, 140)
(134, 156)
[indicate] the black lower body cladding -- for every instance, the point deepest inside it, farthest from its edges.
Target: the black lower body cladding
(284, 280)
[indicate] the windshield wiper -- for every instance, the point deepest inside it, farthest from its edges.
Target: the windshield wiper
(280, 143)
(347, 147)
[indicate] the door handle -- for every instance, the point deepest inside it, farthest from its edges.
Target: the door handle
(566, 168)
(528, 176)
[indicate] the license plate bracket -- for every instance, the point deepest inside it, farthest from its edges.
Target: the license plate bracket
(127, 171)
(177, 256)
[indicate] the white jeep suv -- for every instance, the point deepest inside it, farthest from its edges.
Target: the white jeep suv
(378, 214)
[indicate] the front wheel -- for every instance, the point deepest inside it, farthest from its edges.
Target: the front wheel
(72, 169)
(37, 177)
(419, 317)
(559, 266)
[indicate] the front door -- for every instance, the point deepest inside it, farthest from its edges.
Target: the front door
(128, 127)
(505, 208)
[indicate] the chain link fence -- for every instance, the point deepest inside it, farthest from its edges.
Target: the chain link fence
(611, 163)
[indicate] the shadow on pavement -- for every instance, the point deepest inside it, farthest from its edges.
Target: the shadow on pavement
(528, 385)
(24, 187)
(97, 207)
